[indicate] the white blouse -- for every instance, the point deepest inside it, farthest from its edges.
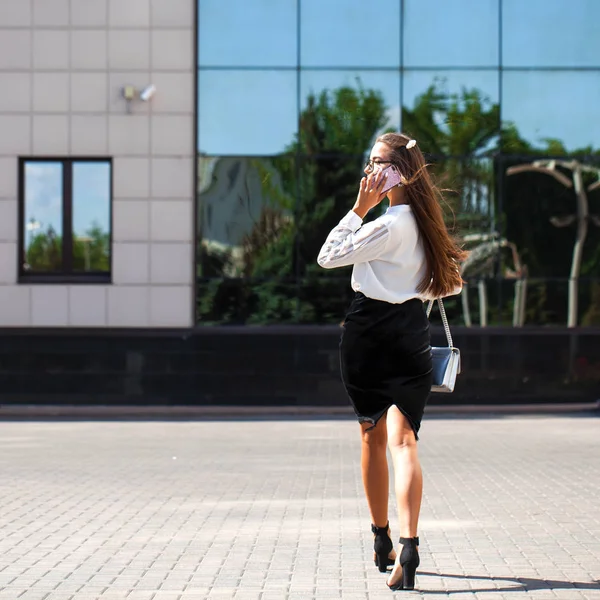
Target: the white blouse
(387, 254)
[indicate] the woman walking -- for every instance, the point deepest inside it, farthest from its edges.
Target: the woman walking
(400, 259)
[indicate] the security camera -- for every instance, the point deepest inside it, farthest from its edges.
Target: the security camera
(147, 93)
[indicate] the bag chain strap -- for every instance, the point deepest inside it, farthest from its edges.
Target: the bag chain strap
(444, 320)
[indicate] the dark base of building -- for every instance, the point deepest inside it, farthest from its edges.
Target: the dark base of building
(277, 366)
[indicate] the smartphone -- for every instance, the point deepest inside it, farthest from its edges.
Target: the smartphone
(392, 180)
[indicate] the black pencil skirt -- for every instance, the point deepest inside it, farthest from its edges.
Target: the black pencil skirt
(385, 358)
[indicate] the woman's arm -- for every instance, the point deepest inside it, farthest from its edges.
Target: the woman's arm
(349, 243)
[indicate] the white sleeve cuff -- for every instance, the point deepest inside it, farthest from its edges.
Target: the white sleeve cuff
(352, 221)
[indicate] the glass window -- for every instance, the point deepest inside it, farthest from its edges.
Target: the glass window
(91, 216)
(350, 34)
(246, 302)
(550, 33)
(246, 217)
(246, 112)
(551, 111)
(357, 106)
(236, 33)
(43, 210)
(459, 33)
(452, 112)
(65, 227)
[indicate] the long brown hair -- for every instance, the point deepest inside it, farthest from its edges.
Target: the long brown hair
(442, 252)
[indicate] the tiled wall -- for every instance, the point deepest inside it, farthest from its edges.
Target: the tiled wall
(62, 66)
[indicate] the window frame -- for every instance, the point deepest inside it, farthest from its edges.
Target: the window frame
(66, 274)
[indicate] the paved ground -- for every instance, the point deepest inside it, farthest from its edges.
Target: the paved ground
(273, 510)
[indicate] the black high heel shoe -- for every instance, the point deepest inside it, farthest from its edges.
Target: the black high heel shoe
(382, 547)
(409, 561)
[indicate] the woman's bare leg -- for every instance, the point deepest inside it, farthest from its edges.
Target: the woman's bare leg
(374, 468)
(408, 477)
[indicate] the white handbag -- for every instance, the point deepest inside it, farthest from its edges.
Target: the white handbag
(445, 359)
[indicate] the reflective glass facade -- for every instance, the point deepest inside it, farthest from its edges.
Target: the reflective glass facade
(291, 95)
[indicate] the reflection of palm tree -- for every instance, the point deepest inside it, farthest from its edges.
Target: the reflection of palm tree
(461, 132)
(581, 217)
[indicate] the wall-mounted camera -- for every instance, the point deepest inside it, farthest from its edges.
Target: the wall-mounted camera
(147, 93)
(130, 93)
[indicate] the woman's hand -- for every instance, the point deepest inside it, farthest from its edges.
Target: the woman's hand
(369, 193)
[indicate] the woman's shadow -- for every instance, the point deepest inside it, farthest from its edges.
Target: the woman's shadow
(520, 584)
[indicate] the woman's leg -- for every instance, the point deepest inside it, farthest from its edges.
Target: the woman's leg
(408, 477)
(375, 473)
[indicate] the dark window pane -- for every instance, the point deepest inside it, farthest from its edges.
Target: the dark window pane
(327, 191)
(460, 33)
(541, 216)
(452, 112)
(237, 33)
(561, 106)
(246, 217)
(246, 112)
(246, 302)
(550, 33)
(42, 233)
(335, 34)
(91, 216)
(325, 301)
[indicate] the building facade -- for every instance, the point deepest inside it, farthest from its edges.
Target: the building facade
(96, 208)
(170, 168)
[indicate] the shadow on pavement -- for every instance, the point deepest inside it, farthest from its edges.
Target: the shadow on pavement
(521, 584)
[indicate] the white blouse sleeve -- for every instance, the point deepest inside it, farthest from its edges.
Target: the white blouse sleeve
(350, 243)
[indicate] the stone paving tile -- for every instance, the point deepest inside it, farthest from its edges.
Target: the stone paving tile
(273, 510)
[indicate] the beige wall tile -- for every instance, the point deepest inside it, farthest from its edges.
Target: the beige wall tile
(15, 301)
(89, 92)
(130, 263)
(171, 263)
(131, 220)
(89, 13)
(172, 13)
(89, 49)
(15, 49)
(16, 134)
(129, 135)
(171, 221)
(53, 13)
(129, 49)
(8, 221)
(172, 49)
(172, 177)
(15, 13)
(51, 92)
(128, 306)
(171, 306)
(172, 136)
(15, 92)
(50, 49)
(89, 135)
(50, 134)
(88, 306)
(8, 262)
(131, 177)
(49, 306)
(130, 13)
(8, 177)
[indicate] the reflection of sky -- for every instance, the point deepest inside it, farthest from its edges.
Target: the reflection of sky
(43, 196)
(254, 111)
